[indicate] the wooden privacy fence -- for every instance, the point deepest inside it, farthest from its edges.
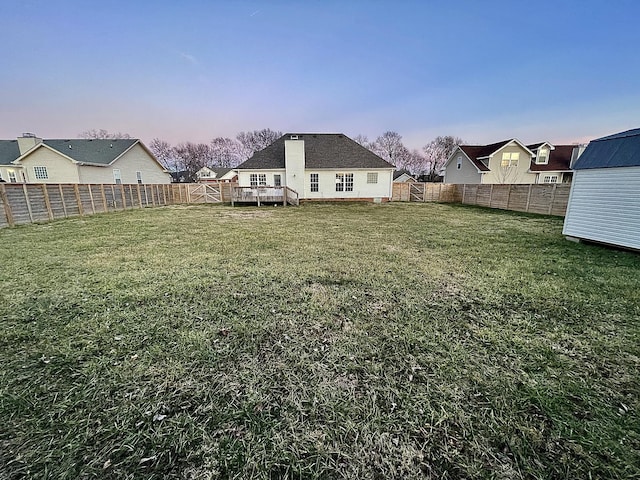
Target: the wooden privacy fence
(22, 203)
(547, 199)
(425, 192)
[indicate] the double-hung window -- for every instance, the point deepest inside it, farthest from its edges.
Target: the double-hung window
(344, 182)
(550, 179)
(139, 177)
(277, 180)
(510, 159)
(543, 156)
(253, 179)
(12, 176)
(314, 182)
(117, 177)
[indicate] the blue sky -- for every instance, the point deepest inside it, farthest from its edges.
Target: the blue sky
(562, 71)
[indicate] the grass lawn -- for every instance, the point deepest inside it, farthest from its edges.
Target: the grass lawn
(326, 341)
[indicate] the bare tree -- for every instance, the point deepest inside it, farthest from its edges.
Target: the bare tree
(227, 152)
(362, 140)
(390, 147)
(102, 134)
(165, 154)
(257, 140)
(437, 152)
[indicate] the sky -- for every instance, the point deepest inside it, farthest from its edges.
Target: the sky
(558, 71)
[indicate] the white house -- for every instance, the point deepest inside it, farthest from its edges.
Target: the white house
(403, 176)
(33, 160)
(216, 174)
(604, 203)
(320, 166)
(510, 161)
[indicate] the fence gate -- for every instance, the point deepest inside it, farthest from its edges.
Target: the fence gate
(416, 192)
(205, 193)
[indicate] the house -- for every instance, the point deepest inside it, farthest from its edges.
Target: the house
(510, 161)
(319, 166)
(180, 176)
(403, 176)
(33, 160)
(604, 203)
(216, 174)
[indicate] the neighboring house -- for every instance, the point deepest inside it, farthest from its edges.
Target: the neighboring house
(181, 176)
(510, 161)
(320, 166)
(34, 160)
(403, 176)
(217, 174)
(604, 203)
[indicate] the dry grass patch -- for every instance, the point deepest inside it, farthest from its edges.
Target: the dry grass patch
(326, 341)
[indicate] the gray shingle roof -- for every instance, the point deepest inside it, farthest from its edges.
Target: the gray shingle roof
(322, 150)
(618, 150)
(9, 151)
(100, 151)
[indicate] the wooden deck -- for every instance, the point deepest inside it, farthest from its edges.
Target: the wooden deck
(264, 195)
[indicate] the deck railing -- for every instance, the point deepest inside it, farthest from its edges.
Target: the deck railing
(264, 195)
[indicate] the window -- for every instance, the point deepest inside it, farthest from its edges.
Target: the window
(139, 177)
(543, 156)
(550, 179)
(40, 173)
(116, 175)
(344, 182)
(12, 176)
(314, 182)
(510, 159)
(277, 180)
(258, 179)
(205, 174)
(372, 177)
(459, 163)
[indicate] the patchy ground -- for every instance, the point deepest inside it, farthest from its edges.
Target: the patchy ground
(326, 341)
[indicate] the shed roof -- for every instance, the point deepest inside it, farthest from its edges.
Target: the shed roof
(617, 150)
(322, 150)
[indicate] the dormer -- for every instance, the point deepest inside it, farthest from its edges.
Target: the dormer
(542, 153)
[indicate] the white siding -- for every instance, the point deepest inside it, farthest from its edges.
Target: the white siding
(604, 206)
(361, 189)
(244, 177)
(135, 160)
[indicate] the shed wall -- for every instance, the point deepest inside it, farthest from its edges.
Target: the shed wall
(604, 206)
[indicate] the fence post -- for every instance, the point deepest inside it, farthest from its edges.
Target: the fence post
(528, 199)
(26, 198)
(47, 203)
(64, 204)
(93, 204)
(553, 197)
(491, 196)
(104, 198)
(7, 208)
(77, 192)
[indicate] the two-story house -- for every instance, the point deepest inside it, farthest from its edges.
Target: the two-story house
(510, 161)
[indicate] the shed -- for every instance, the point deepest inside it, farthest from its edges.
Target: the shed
(604, 203)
